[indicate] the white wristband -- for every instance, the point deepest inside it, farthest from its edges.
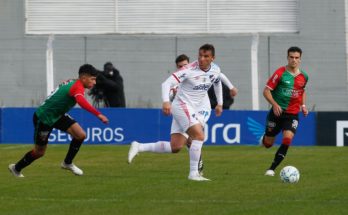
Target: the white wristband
(303, 105)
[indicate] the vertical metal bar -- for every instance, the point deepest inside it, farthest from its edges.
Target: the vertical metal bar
(85, 48)
(116, 15)
(254, 72)
(208, 16)
(49, 65)
(269, 55)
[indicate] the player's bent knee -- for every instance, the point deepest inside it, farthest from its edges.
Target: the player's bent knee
(198, 137)
(267, 143)
(38, 153)
(175, 150)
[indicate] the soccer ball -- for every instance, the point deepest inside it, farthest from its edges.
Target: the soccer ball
(290, 174)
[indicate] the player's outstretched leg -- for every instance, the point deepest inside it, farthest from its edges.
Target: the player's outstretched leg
(27, 159)
(157, 147)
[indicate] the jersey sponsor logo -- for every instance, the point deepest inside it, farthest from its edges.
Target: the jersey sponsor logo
(204, 87)
(291, 92)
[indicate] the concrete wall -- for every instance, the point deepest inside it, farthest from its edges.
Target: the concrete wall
(145, 61)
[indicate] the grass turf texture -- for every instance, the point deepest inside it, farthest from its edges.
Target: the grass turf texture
(158, 184)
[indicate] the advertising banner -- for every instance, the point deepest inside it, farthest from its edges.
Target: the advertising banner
(332, 128)
(149, 125)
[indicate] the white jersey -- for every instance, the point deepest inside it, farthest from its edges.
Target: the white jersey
(194, 84)
(191, 103)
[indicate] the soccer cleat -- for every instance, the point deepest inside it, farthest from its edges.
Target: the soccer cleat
(270, 172)
(72, 167)
(133, 151)
(197, 177)
(200, 166)
(14, 172)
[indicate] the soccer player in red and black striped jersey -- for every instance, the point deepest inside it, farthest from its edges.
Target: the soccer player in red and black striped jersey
(53, 114)
(285, 91)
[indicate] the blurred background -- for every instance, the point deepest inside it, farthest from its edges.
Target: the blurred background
(142, 39)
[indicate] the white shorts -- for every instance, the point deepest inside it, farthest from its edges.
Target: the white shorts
(184, 116)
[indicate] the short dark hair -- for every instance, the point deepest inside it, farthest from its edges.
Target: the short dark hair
(295, 49)
(182, 57)
(208, 47)
(88, 69)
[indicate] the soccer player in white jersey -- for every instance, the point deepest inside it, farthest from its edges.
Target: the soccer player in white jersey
(204, 114)
(194, 81)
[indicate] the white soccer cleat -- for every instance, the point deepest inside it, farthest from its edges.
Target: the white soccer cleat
(269, 172)
(72, 167)
(133, 151)
(197, 177)
(14, 172)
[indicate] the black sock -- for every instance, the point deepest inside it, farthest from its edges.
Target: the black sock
(279, 156)
(25, 161)
(73, 149)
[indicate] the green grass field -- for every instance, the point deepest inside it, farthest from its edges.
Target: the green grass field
(157, 183)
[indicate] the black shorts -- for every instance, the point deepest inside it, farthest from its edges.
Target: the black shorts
(276, 124)
(43, 131)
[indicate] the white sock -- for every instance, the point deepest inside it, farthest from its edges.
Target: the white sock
(158, 147)
(195, 153)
